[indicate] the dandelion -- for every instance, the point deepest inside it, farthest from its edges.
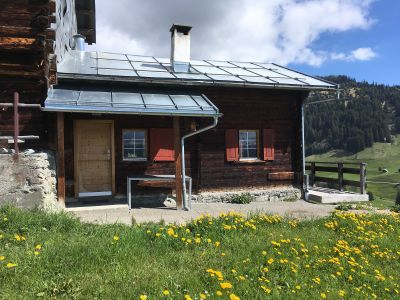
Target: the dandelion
(143, 297)
(11, 265)
(225, 285)
(342, 293)
(36, 252)
(116, 238)
(264, 253)
(233, 297)
(19, 237)
(166, 292)
(270, 261)
(323, 296)
(265, 289)
(219, 293)
(2, 257)
(38, 247)
(187, 297)
(202, 296)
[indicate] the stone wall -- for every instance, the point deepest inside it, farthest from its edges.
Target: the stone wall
(29, 181)
(285, 193)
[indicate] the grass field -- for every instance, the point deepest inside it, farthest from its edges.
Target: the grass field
(54, 256)
(380, 155)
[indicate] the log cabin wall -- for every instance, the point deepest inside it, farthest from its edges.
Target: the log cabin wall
(252, 109)
(34, 35)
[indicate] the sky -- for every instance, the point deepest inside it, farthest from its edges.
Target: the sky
(357, 38)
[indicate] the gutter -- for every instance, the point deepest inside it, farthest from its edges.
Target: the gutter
(186, 205)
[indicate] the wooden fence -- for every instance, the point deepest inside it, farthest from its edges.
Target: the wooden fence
(340, 168)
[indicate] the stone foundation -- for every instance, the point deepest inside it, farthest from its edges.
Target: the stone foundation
(30, 181)
(286, 193)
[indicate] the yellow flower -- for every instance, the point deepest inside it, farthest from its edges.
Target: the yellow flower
(233, 297)
(11, 265)
(38, 247)
(219, 293)
(298, 287)
(158, 234)
(266, 290)
(217, 244)
(143, 297)
(323, 296)
(116, 238)
(19, 237)
(342, 293)
(270, 261)
(36, 252)
(2, 257)
(264, 252)
(187, 297)
(203, 296)
(166, 292)
(225, 285)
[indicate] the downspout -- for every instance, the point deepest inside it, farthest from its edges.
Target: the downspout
(303, 146)
(214, 124)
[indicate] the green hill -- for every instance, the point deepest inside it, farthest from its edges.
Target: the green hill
(378, 157)
(367, 113)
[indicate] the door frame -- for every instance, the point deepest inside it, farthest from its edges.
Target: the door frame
(76, 148)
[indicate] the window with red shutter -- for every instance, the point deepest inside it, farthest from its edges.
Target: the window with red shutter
(162, 144)
(232, 144)
(269, 144)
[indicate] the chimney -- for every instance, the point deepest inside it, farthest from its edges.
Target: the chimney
(79, 42)
(180, 48)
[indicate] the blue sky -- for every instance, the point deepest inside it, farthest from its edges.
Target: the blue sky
(358, 38)
(383, 37)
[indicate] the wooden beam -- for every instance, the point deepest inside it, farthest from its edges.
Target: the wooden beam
(178, 163)
(60, 159)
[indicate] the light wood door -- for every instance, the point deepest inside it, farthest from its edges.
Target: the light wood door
(94, 158)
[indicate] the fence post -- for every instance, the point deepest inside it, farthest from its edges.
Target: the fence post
(340, 176)
(363, 177)
(312, 174)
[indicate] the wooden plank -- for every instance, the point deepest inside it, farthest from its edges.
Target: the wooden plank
(178, 163)
(325, 179)
(326, 169)
(60, 159)
(351, 183)
(351, 170)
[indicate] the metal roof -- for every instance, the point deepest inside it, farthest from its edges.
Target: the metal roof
(136, 68)
(117, 102)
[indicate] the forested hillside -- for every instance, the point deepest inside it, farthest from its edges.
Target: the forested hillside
(371, 114)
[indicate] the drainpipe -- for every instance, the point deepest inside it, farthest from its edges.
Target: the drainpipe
(214, 124)
(305, 177)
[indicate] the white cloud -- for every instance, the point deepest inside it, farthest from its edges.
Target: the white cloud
(281, 31)
(362, 54)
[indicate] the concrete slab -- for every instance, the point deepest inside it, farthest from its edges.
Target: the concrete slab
(111, 214)
(335, 197)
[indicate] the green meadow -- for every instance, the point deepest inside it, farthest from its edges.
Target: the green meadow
(344, 256)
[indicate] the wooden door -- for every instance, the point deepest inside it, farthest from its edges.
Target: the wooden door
(94, 158)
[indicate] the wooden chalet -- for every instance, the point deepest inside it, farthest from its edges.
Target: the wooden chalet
(228, 125)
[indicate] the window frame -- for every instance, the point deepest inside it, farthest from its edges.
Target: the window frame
(250, 159)
(146, 145)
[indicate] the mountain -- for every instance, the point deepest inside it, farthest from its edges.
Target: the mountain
(366, 113)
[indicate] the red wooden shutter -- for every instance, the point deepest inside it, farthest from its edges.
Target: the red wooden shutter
(232, 144)
(269, 144)
(162, 144)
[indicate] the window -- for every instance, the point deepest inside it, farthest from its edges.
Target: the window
(134, 144)
(248, 144)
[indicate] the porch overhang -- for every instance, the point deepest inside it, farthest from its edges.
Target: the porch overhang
(134, 103)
